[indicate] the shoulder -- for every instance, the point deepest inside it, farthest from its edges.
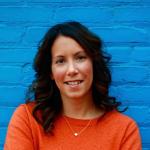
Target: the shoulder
(24, 108)
(119, 117)
(22, 128)
(22, 113)
(119, 120)
(127, 130)
(118, 124)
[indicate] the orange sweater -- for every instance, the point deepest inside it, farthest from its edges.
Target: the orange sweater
(113, 131)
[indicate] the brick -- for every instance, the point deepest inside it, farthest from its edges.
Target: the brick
(93, 14)
(122, 34)
(139, 113)
(28, 74)
(119, 54)
(10, 1)
(129, 2)
(17, 55)
(10, 34)
(141, 54)
(10, 74)
(133, 94)
(51, 1)
(95, 1)
(113, 91)
(26, 14)
(145, 1)
(2, 135)
(131, 74)
(4, 120)
(131, 14)
(12, 95)
(145, 134)
(34, 35)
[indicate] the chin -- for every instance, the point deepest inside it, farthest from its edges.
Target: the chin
(75, 96)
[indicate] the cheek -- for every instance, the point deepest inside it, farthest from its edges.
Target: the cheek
(87, 68)
(58, 75)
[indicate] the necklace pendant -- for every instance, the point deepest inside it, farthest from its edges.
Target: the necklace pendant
(75, 134)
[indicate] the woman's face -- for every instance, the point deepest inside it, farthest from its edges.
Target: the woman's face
(72, 68)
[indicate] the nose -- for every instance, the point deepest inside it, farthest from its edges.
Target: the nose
(72, 69)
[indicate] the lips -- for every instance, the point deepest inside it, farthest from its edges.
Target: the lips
(74, 83)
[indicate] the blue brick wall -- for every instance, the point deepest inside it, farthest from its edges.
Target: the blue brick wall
(124, 26)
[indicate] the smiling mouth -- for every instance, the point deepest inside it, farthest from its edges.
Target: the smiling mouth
(74, 82)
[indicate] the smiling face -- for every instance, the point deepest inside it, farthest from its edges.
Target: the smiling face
(72, 68)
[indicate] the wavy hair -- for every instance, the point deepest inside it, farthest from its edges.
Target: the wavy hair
(47, 97)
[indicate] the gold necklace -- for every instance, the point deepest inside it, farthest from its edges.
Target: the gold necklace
(77, 133)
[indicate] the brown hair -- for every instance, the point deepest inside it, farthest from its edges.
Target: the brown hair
(46, 94)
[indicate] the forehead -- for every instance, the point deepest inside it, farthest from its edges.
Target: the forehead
(64, 44)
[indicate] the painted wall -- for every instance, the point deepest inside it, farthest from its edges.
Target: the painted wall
(124, 26)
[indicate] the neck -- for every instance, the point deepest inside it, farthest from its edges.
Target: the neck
(80, 108)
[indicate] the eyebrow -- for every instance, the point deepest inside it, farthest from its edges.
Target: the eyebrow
(75, 54)
(79, 52)
(57, 57)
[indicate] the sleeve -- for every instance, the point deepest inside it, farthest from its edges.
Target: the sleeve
(19, 136)
(132, 138)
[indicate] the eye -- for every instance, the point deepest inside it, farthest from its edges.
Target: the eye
(81, 58)
(60, 61)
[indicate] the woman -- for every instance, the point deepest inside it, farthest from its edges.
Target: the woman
(71, 107)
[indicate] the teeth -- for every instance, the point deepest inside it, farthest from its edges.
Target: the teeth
(74, 83)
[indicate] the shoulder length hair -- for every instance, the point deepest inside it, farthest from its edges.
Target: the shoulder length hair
(46, 94)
